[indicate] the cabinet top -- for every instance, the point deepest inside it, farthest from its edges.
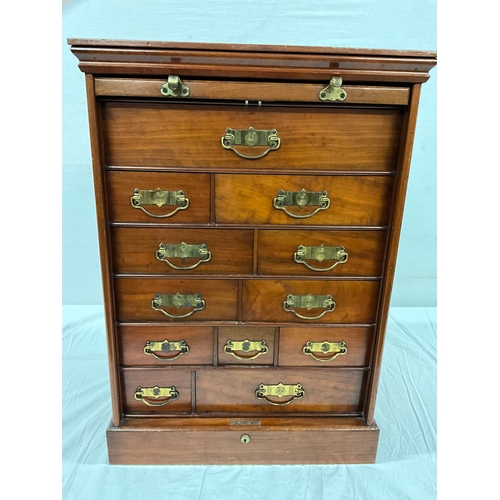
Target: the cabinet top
(136, 57)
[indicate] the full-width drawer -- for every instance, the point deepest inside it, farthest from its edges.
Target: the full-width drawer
(321, 252)
(159, 299)
(325, 347)
(334, 301)
(319, 391)
(146, 390)
(166, 134)
(356, 200)
(250, 91)
(158, 197)
(161, 345)
(167, 250)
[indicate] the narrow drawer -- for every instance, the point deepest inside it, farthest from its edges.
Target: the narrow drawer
(173, 393)
(167, 250)
(234, 390)
(159, 345)
(280, 252)
(134, 297)
(251, 91)
(245, 345)
(265, 300)
(167, 134)
(351, 200)
(325, 347)
(162, 206)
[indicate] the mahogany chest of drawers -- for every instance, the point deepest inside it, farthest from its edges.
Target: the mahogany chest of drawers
(249, 204)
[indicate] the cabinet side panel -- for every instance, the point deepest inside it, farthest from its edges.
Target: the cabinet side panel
(401, 183)
(105, 258)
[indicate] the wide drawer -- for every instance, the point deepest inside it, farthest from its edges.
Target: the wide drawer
(166, 250)
(349, 200)
(148, 134)
(172, 394)
(158, 200)
(234, 390)
(325, 347)
(161, 345)
(268, 301)
(245, 345)
(181, 300)
(321, 252)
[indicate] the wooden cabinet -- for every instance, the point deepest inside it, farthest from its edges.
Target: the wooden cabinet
(249, 203)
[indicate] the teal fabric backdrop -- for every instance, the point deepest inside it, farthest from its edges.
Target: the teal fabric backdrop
(385, 24)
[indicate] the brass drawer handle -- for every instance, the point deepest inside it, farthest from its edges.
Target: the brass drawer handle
(333, 91)
(280, 390)
(301, 199)
(245, 346)
(174, 87)
(251, 138)
(309, 302)
(327, 350)
(320, 253)
(143, 393)
(159, 198)
(183, 251)
(179, 346)
(177, 300)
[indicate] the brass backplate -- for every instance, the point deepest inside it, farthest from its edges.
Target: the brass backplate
(325, 351)
(175, 348)
(174, 87)
(183, 251)
(246, 346)
(333, 92)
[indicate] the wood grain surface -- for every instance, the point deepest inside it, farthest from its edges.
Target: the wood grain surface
(356, 300)
(326, 391)
(365, 249)
(133, 298)
(120, 188)
(251, 91)
(133, 338)
(183, 135)
(132, 378)
(134, 250)
(146, 58)
(273, 440)
(241, 333)
(354, 200)
(358, 342)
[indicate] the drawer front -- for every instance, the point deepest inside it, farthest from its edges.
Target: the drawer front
(158, 345)
(353, 200)
(139, 250)
(245, 345)
(251, 91)
(264, 300)
(190, 135)
(279, 252)
(120, 188)
(325, 347)
(233, 390)
(134, 299)
(147, 379)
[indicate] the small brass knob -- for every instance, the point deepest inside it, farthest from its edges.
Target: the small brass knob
(245, 438)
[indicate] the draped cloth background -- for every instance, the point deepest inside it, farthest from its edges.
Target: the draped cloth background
(406, 406)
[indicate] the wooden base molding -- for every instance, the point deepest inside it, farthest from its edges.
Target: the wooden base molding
(211, 441)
